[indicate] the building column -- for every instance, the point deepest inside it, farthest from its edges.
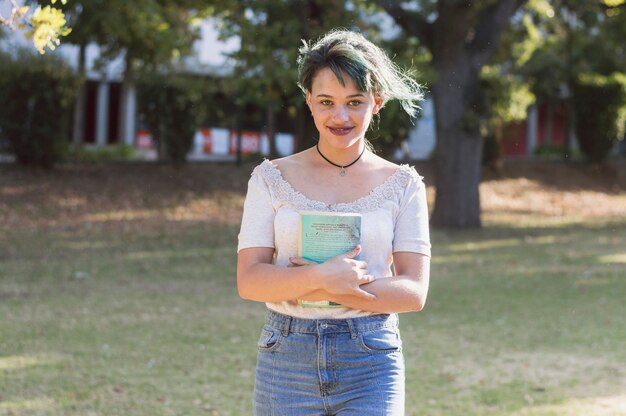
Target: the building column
(131, 122)
(102, 114)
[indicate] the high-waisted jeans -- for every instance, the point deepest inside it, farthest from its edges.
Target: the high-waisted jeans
(322, 367)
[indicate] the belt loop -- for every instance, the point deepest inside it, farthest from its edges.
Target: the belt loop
(286, 326)
(352, 328)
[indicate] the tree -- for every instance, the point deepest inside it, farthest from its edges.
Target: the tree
(572, 39)
(271, 34)
(147, 33)
(45, 25)
(461, 37)
(35, 95)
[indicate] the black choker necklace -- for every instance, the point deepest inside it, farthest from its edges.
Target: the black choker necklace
(342, 172)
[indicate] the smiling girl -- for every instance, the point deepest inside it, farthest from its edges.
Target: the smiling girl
(345, 360)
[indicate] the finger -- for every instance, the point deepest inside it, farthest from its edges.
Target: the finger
(366, 278)
(361, 264)
(299, 261)
(366, 295)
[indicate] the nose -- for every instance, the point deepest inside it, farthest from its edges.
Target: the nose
(341, 113)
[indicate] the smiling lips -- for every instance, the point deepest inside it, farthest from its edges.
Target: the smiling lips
(340, 131)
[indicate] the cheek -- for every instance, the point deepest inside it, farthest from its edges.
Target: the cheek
(364, 115)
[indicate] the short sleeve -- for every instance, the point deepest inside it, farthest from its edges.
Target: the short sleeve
(411, 232)
(257, 223)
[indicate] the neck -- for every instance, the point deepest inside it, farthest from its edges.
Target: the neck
(344, 156)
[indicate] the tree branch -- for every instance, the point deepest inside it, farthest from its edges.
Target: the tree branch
(492, 22)
(411, 22)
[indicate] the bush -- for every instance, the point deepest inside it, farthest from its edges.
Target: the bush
(36, 96)
(81, 153)
(170, 107)
(599, 109)
(550, 150)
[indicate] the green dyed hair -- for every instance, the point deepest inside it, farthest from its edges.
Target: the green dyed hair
(343, 51)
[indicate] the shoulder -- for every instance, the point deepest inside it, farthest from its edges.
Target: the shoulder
(400, 172)
(289, 163)
(275, 174)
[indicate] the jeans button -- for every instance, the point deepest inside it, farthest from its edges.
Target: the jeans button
(324, 325)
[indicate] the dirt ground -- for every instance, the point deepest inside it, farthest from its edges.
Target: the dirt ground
(142, 194)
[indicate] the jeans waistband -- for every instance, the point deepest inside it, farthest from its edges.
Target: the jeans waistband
(288, 324)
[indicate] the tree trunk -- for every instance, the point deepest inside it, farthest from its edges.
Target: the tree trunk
(78, 128)
(461, 39)
(459, 152)
(459, 144)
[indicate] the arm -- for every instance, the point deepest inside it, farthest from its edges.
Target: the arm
(404, 292)
(260, 280)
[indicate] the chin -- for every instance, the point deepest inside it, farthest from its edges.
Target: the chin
(342, 142)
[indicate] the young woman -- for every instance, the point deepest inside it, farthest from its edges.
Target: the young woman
(345, 360)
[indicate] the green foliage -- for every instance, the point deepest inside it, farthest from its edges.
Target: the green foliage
(36, 95)
(565, 38)
(389, 129)
(600, 113)
(152, 31)
(171, 107)
(271, 33)
(506, 98)
(550, 150)
(116, 152)
(45, 25)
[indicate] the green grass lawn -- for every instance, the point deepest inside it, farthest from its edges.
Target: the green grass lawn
(521, 319)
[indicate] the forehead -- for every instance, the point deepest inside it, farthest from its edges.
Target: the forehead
(325, 80)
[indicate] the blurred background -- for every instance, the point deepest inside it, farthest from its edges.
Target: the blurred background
(128, 131)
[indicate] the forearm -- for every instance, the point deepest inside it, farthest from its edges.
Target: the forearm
(393, 295)
(270, 283)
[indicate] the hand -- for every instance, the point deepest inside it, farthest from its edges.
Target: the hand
(342, 274)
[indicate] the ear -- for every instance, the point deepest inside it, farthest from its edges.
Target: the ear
(308, 99)
(378, 104)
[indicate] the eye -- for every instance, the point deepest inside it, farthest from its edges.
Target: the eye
(355, 103)
(326, 102)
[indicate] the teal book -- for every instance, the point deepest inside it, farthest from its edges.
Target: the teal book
(323, 235)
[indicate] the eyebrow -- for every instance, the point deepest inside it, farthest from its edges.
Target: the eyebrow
(349, 96)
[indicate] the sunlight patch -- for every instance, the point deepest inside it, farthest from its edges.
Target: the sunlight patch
(18, 362)
(128, 214)
(484, 245)
(592, 406)
(613, 258)
(460, 258)
(38, 404)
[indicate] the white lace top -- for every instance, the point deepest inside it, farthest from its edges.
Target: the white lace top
(394, 218)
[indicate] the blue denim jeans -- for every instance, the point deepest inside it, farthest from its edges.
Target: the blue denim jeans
(320, 367)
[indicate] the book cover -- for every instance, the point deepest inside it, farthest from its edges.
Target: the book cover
(323, 235)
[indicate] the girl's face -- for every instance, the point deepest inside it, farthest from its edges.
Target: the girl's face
(342, 114)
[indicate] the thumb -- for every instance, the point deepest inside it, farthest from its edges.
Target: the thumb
(354, 252)
(299, 261)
